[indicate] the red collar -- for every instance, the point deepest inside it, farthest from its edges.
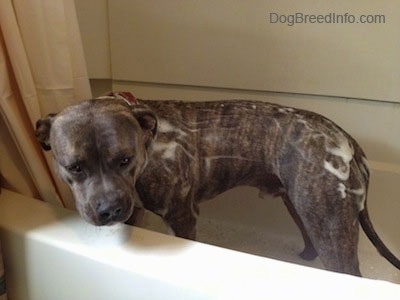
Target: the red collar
(128, 97)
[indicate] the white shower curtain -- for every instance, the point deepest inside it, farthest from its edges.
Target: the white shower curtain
(42, 70)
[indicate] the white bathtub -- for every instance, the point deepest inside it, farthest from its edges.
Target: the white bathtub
(50, 253)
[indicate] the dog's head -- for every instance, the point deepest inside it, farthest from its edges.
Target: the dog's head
(99, 149)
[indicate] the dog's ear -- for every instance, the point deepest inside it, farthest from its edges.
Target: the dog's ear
(148, 121)
(42, 133)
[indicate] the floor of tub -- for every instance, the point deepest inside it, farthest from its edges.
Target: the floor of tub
(230, 223)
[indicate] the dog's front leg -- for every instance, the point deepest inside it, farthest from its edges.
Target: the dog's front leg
(136, 217)
(182, 220)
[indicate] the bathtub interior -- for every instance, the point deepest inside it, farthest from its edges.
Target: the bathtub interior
(240, 220)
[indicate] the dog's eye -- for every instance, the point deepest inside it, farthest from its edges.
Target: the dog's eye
(75, 169)
(124, 162)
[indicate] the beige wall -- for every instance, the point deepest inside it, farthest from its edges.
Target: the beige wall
(233, 44)
(229, 49)
(94, 27)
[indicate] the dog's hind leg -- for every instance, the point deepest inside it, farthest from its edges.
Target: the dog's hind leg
(332, 225)
(309, 252)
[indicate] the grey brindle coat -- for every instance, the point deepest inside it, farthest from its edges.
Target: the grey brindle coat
(175, 154)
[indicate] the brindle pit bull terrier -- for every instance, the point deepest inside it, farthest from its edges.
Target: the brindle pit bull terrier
(174, 155)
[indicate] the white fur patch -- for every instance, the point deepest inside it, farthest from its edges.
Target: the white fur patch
(360, 192)
(212, 138)
(342, 174)
(342, 190)
(345, 151)
(168, 149)
(164, 126)
(285, 110)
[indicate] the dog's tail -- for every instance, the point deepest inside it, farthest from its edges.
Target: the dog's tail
(375, 239)
(363, 215)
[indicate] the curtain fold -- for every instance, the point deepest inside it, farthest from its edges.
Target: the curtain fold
(3, 295)
(42, 71)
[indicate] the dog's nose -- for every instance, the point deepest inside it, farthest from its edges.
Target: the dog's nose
(108, 212)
